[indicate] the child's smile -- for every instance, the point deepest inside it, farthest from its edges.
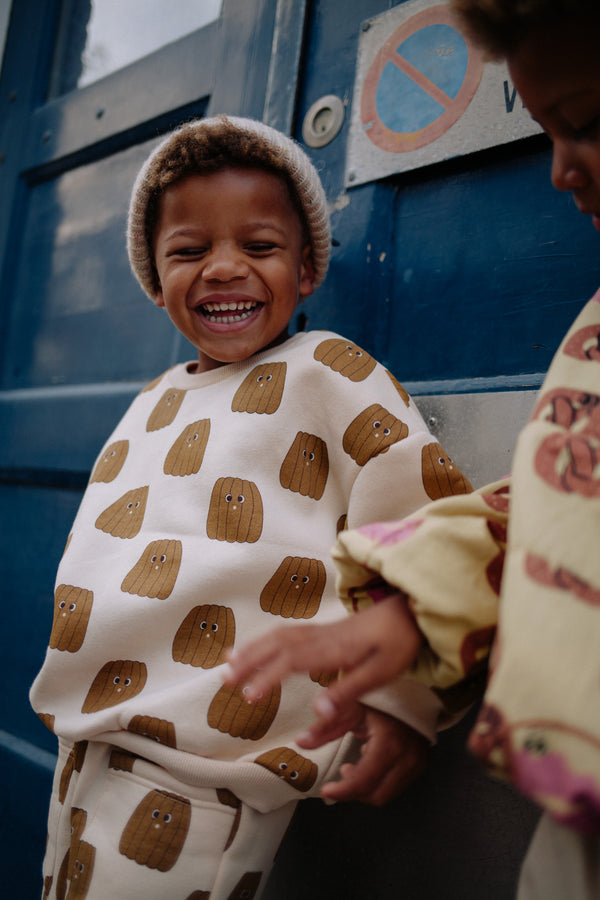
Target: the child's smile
(232, 262)
(227, 312)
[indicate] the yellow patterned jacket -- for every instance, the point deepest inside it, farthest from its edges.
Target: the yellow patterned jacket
(522, 554)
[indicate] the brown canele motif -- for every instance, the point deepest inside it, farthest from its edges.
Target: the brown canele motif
(47, 719)
(155, 573)
(204, 636)
(228, 798)
(236, 511)
(246, 887)
(372, 432)
(165, 410)
(186, 455)
(323, 678)
(68, 543)
(80, 869)
(297, 771)
(401, 390)
(110, 462)
(74, 763)
(78, 822)
(122, 760)
(62, 884)
(152, 384)
(306, 466)
(72, 608)
(261, 390)
(296, 588)
(123, 519)
(441, 478)
(160, 730)
(155, 834)
(230, 712)
(117, 681)
(346, 358)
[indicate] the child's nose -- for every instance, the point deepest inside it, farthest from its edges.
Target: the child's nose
(223, 264)
(568, 168)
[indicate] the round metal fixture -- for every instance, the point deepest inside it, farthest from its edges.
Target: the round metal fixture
(323, 121)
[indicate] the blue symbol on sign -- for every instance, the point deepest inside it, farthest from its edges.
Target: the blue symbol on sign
(438, 54)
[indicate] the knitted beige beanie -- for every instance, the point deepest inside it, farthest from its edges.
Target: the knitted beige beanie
(205, 146)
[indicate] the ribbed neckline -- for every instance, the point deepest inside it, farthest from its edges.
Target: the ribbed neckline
(180, 378)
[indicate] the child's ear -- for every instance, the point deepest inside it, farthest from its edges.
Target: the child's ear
(307, 273)
(159, 299)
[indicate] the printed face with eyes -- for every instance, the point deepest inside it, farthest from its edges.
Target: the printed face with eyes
(232, 262)
(556, 74)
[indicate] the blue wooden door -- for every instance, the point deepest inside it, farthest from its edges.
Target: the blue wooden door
(461, 277)
(77, 337)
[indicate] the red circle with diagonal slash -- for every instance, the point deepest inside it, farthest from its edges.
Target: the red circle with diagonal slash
(396, 142)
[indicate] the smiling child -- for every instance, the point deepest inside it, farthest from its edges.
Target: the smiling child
(209, 516)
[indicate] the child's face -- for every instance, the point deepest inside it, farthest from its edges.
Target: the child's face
(232, 262)
(558, 77)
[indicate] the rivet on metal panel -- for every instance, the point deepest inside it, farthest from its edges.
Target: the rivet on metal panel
(432, 421)
(323, 121)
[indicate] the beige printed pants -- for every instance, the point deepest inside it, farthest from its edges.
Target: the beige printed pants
(123, 828)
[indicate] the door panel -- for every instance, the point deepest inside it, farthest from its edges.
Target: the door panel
(89, 325)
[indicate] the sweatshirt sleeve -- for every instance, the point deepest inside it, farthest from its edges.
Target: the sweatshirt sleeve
(447, 558)
(401, 467)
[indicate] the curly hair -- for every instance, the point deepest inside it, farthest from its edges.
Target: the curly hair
(207, 146)
(197, 151)
(499, 26)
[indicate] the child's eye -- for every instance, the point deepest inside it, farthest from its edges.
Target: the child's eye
(260, 247)
(187, 252)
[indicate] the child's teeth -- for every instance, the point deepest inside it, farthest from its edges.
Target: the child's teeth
(245, 310)
(244, 305)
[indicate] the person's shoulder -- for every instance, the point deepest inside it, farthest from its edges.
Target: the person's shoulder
(324, 342)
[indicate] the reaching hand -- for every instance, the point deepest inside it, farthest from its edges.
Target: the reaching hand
(370, 647)
(392, 756)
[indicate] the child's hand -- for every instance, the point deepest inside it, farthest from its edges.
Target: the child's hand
(371, 647)
(392, 756)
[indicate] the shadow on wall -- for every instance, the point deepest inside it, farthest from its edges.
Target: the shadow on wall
(453, 835)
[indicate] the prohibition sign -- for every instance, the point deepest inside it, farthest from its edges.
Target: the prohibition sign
(420, 83)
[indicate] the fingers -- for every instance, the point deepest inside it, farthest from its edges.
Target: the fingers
(268, 659)
(300, 648)
(322, 731)
(356, 785)
(392, 756)
(371, 647)
(372, 672)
